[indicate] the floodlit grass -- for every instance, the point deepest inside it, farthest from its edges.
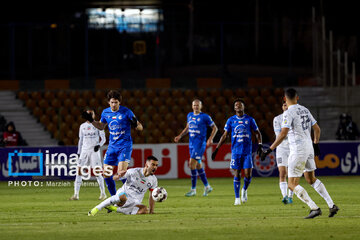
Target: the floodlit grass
(46, 213)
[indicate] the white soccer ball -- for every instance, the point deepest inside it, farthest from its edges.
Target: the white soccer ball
(159, 194)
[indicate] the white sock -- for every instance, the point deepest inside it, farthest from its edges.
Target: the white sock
(283, 188)
(320, 188)
(291, 193)
(100, 181)
(109, 201)
(77, 184)
(304, 196)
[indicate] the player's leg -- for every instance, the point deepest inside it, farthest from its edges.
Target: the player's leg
(110, 161)
(192, 166)
(81, 162)
(119, 198)
(283, 183)
(202, 175)
(142, 209)
(321, 189)
(247, 166)
(296, 168)
(124, 160)
(95, 163)
(236, 171)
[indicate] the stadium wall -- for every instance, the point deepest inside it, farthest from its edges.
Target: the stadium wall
(31, 163)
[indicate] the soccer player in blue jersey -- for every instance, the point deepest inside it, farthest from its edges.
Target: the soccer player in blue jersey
(240, 126)
(119, 119)
(197, 124)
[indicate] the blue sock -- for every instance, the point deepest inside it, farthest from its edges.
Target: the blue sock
(247, 182)
(237, 187)
(193, 179)
(111, 185)
(202, 175)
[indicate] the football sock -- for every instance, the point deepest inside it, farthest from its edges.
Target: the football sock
(109, 201)
(193, 179)
(111, 185)
(237, 187)
(247, 182)
(202, 175)
(100, 181)
(77, 184)
(291, 194)
(320, 188)
(283, 188)
(304, 196)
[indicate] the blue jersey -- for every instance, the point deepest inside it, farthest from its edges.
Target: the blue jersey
(197, 128)
(119, 126)
(240, 130)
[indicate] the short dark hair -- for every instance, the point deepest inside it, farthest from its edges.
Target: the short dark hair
(238, 100)
(114, 94)
(291, 93)
(151, 157)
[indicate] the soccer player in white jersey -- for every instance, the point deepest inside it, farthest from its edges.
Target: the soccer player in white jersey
(297, 122)
(282, 155)
(128, 198)
(88, 149)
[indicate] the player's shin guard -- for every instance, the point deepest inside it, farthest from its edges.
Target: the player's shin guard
(77, 184)
(237, 187)
(304, 196)
(111, 185)
(193, 179)
(247, 182)
(100, 181)
(283, 188)
(320, 188)
(202, 175)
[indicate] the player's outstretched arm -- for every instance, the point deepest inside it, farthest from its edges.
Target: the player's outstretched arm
(151, 204)
(139, 126)
(221, 141)
(278, 140)
(259, 140)
(317, 132)
(184, 132)
(212, 135)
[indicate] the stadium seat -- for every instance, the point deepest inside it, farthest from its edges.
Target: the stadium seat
(189, 94)
(257, 116)
(93, 103)
(49, 95)
(43, 104)
(247, 101)
(182, 101)
(176, 93)
(145, 102)
(250, 109)
(214, 93)
(181, 117)
(170, 102)
(201, 93)
(67, 141)
(156, 118)
(55, 103)
(75, 127)
(151, 110)
(279, 92)
(264, 108)
(50, 111)
(219, 116)
(87, 95)
(104, 103)
(269, 116)
(81, 103)
(100, 95)
(227, 93)
(150, 139)
(70, 134)
(68, 103)
(157, 102)
(63, 111)
(164, 139)
(74, 95)
(187, 108)
(163, 110)
(164, 94)
(75, 111)
(69, 119)
(64, 127)
(36, 96)
(169, 117)
(265, 93)
(253, 93)
(175, 110)
(271, 100)
(240, 93)
(150, 93)
(258, 100)
(169, 133)
(44, 119)
(137, 110)
(162, 125)
(129, 102)
(149, 125)
(220, 101)
(56, 119)
(139, 139)
(99, 110)
(144, 118)
(156, 133)
(37, 112)
(51, 127)
(22, 95)
(213, 109)
(61, 95)
(227, 109)
(207, 101)
(262, 123)
(138, 93)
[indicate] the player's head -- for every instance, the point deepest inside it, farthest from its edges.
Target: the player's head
(239, 105)
(291, 96)
(284, 106)
(151, 164)
(196, 105)
(114, 98)
(91, 111)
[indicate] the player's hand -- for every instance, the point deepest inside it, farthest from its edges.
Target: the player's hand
(316, 149)
(87, 116)
(96, 148)
(116, 177)
(263, 154)
(213, 155)
(209, 142)
(177, 139)
(260, 149)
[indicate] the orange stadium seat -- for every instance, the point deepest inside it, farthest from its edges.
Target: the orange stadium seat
(271, 100)
(251, 109)
(56, 103)
(270, 116)
(100, 95)
(125, 94)
(144, 118)
(253, 92)
(189, 94)
(68, 103)
(279, 92)
(164, 93)
(70, 134)
(144, 102)
(169, 117)
(163, 139)
(163, 110)
(149, 126)
(176, 93)
(219, 117)
(44, 119)
(61, 95)
(207, 101)
(170, 102)
(75, 111)
(69, 119)
(215, 93)
(265, 92)
(258, 100)
(80, 102)
(262, 123)
(187, 108)
(182, 101)
(150, 93)
(257, 116)
(247, 101)
(130, 102)
(228, 93)
(87, 95)
(50, 111)
(151, 110)
(213, 109)
(24, 96)
(264, 108)
(220, 101)
(139, 139)
(93, 103)
(226, 108)
(36, 96)
(104, 103)
(63, 111)
(138, 110)
(51, 127)
(43, 104)
(48, 95)
(169, 133)
(156, 118)
(37, 112)
(201, 93)
(138, 94)
(162, 125)
(175, 110)
(150, 139)
(75, 127)
(156, 133)
(56, 119)
(67, 141)
(74, 95)
(240, 93)
(181, 117)
(157, 102)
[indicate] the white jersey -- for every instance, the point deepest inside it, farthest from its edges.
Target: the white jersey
(284, 145)
(137, 184)
(299, 121)
(89, 137)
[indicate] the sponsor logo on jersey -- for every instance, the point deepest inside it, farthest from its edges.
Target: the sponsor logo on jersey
(120, 117)
(114, 117)
(198, 119)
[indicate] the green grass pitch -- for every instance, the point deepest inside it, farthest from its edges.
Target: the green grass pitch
(46, 213)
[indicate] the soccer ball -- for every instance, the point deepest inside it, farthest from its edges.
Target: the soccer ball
(159, 194)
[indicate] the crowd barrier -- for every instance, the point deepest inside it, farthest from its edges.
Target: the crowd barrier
(51, 163)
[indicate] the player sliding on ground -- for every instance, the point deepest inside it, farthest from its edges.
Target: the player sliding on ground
(129, 197)
(88, 149)
(197, 123)
(119, 119)
(282, 155)
(297, 123)
(240, 126)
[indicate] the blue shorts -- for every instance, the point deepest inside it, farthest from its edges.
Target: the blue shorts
(241, 161)
(115, 155)
(197, 153)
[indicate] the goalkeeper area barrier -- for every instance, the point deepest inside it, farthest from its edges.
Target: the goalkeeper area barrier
(59, 163)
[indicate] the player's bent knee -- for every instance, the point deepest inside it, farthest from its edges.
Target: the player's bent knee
(122, 199)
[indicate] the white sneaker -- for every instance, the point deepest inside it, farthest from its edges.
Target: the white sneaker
(243, 196)
(237, 201)
(102, 197)
(75, 197)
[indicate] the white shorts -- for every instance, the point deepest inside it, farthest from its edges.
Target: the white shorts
(300, 163)
(89, 158)
(129, 208)
(282, 157)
